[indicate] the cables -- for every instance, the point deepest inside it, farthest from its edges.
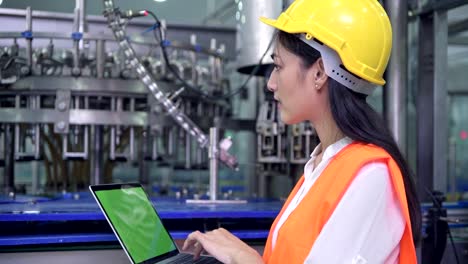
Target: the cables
(438, 204)
(253, 72)
(163, 44)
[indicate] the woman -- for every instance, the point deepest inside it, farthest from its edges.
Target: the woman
(356, 202)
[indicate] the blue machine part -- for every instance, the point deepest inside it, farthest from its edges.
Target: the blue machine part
(69, 213)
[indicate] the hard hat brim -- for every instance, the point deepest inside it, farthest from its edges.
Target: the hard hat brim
(270, 22)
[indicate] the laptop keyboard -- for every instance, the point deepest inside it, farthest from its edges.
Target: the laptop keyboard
(187, 258)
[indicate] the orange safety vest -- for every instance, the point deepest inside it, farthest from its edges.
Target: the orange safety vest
(297, 235)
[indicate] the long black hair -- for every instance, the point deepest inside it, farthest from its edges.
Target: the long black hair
(360, 122)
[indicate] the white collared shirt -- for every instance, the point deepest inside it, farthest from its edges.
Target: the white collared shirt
(367, 224)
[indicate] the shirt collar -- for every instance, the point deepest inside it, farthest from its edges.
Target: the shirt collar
(331, 150)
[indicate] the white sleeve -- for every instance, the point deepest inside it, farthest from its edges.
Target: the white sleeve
(367, 224)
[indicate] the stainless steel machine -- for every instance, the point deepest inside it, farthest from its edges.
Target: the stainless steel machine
(80, 101)
(101, 91)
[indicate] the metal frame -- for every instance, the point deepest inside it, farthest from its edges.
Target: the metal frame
(431, 103)
(395, 90)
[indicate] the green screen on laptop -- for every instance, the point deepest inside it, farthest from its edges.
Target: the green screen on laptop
(139, 227)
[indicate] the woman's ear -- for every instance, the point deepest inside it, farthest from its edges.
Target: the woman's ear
(320, 76)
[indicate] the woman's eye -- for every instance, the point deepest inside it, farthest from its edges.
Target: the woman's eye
(276, 66)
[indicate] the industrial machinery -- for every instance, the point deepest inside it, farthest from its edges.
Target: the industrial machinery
(99, 96)
(82, 109)
(80, 102)
(81, 105)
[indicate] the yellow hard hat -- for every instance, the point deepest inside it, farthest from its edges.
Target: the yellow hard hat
(359, 31)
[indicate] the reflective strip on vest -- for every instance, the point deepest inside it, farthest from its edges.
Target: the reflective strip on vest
(297, 235)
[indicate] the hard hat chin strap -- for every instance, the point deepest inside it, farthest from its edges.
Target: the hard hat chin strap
(335, 69)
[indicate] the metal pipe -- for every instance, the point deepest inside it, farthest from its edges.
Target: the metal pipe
(219, 64)
(9, 169)
(212, 62)
(83, 24)
(188, 151)
(170, 141)
(154, 146)
(112, 135)
(199, 157)
(100, 58)
(143, 164)
(255, 38)
(213, 156)
(76, 44)
(76, 130)
(96, 157)
(160, 48)
(132, 155)
(193, 59)
(29, 50)
(395, 91)
(37, 130)
(18, 137)
(440, 100)
(35, 177)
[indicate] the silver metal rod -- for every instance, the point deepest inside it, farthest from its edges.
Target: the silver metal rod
(76, 48)
(9, 169)
(132, 133)
(35, 177)
(163, 34)
(18, 140)
(193, 59)
(29, 51)
(143, 166)
(154, 147)
(188, 151)
(219, 63)
(212, 62)
(396, 107)
(96, 157)
(170, 140)
(213, 156)
(65, 146)
(37, 141)
(441, 130)
(199, 156)
(37, 128)
(112, 144)
(17, 137)
(86, 142)
(100, 58)
(119, 105)
(83, 24)
(131, 155)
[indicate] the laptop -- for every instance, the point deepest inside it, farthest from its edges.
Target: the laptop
(137, 225)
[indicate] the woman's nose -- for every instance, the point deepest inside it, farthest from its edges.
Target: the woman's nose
(271, 84)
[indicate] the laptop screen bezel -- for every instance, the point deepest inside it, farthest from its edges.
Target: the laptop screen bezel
(119, 186)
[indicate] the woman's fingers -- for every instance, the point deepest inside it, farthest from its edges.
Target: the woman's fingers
(191, 240)
(194, 243)
(219, 243)
(197, 250)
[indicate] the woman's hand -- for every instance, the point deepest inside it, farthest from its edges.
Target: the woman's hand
(222, 245)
